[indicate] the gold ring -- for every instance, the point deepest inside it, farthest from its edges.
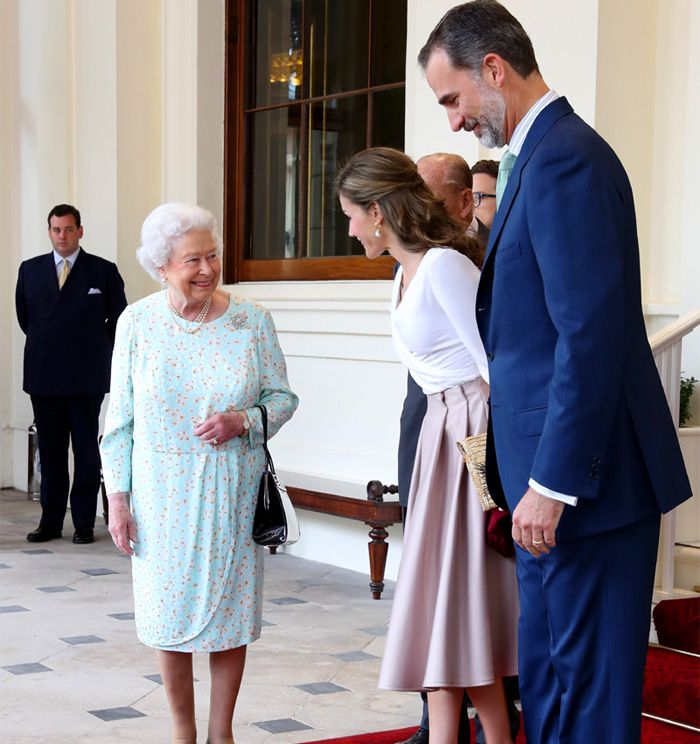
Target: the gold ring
(215, 440)
(537, 542)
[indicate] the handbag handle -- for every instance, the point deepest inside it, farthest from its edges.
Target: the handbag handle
(268, 456)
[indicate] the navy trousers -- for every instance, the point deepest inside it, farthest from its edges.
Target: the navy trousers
(584, 630)
(60, 419)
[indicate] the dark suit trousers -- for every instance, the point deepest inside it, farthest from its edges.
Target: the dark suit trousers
(583, 635)
(60, 419)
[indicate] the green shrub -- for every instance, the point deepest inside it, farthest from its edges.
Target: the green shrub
(687, 386)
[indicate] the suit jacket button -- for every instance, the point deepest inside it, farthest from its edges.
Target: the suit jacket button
(489, 356)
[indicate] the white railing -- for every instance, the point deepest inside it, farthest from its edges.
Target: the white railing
(666, 345)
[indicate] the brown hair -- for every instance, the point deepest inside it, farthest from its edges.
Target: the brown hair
(415, 215)
(489, 167)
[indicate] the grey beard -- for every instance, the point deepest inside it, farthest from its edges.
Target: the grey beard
(491, 137)
(492, 119)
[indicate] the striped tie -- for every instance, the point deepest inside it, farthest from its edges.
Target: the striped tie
(64, 274)
(504, 168)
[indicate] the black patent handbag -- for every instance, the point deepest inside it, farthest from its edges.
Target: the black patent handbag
(275, 522)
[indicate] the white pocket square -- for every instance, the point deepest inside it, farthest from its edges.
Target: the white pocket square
(94, 290)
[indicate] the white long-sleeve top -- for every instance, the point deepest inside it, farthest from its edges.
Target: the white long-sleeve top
(434, 323)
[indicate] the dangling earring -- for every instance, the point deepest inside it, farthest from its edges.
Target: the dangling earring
(378, 231)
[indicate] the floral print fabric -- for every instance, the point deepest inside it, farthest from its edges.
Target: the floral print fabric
(197, 573)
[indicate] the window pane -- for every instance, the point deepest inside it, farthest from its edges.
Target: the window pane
(388, 118)
(337, 46)
(388, 42)
(337, 129)
(274, 177)
(284, 145)
(279, 62)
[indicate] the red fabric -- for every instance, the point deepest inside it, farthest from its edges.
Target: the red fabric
(382, 737)
(672, 686)
(653, 732)
(499, 526)
(677, 623)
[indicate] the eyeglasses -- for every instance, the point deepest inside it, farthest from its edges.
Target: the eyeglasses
(479, 195)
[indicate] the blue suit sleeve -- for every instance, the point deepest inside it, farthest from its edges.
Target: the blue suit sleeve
(20, 301)
(116, 299)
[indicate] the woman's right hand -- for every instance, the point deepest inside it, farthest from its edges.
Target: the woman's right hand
(122, 526)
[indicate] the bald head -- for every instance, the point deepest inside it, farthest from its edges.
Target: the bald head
(448, 176)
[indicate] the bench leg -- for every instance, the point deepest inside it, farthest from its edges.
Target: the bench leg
(378, 550)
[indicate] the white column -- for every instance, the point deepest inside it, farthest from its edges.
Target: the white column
(179, 123)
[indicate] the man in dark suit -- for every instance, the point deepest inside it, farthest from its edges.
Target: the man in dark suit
(584, 443)
(68, 302)
(448, 176)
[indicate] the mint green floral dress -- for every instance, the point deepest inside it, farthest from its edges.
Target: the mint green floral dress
(197, 573)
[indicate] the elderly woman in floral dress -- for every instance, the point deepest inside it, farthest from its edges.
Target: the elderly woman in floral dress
(184, 439)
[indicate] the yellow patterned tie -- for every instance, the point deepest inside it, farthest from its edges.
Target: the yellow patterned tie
(64, 274)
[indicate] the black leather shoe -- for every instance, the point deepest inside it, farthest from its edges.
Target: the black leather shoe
(84, 536)
(420, 737)
(43, 534)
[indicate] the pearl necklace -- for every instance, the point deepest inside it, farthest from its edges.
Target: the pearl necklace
(196, 323)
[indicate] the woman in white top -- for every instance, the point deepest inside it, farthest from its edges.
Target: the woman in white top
(454, 619)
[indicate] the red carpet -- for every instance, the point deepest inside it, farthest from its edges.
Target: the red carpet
(653, 732)
(672, 686)
(677, 623)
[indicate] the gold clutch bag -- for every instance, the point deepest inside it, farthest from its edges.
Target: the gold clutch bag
(473, 450)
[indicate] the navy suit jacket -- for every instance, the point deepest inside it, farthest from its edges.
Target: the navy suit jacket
(70, 333)
(576, 400)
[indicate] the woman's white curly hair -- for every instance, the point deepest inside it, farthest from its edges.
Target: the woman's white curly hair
(162, 228)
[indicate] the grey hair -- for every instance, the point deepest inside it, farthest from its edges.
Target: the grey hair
(468, 32)
(162, 228)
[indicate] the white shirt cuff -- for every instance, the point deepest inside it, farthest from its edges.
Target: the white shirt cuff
(570, 500)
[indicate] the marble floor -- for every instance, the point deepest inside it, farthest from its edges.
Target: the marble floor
(71, 669)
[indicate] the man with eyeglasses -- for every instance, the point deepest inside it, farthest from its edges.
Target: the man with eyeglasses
(484, 173)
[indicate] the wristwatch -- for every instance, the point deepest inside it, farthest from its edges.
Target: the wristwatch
(246, 423)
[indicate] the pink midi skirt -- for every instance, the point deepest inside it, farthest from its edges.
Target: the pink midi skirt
(454, 617)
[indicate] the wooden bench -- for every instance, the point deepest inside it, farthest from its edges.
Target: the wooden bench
(374, 512)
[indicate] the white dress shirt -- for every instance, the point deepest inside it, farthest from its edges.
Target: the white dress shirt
(58, 259)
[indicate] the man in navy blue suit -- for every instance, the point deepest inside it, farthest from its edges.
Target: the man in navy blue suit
(68, 302)
(581, 433)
